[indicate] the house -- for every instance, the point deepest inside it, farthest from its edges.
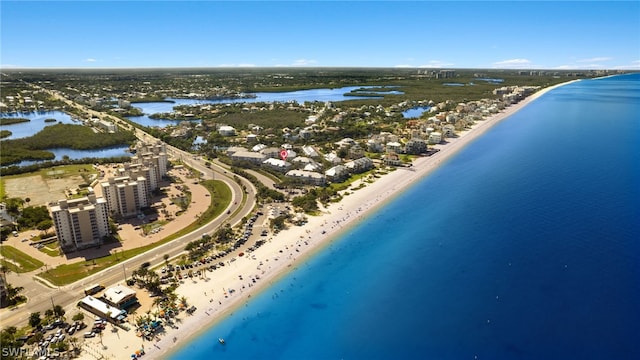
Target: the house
(234, 149)
(250, 156)
(391, 159)
(394, 147)
(277, 164)
(120, 296)
(308, 177)
(337, 173)
(271, 152)
(226, 130)
(449, 131)
(359, 165)
(435, 138)
(333, 158)
(416, 146)
(356, 152)
(258, 147)
(310, 151)
(373, 145)
(344, 143)
(107, 126)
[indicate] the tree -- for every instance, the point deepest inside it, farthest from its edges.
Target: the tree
(14, 205)
(58, 311)
(166, 259)
(78, 317)
(13, 295)
(27, 200)
(34, 319)
(45, 225)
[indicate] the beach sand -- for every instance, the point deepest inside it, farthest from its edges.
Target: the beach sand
(228, 287)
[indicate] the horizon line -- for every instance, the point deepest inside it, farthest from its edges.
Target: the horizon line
(3, 68)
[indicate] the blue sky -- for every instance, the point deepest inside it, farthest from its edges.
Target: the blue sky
(450, 34)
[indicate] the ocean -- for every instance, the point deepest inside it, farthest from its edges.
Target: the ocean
(525, 245)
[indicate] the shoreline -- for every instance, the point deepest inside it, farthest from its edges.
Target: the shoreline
(253, 273)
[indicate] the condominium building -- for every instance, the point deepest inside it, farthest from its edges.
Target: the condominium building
(153, 155)
(124, 196)
(136, 171)
(80, 223)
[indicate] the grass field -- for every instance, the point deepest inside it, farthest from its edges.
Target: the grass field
(20, 262)
(52, 250)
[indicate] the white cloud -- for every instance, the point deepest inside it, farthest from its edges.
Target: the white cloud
(303, 62)
(595, 59)
(90, 60)
(403, 66)
(436, 64)
(513, 63)
(634, 65)
(237, 65)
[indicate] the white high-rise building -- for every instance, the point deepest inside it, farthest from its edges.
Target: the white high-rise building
(80, 223)
(152, 156)
(124, 196)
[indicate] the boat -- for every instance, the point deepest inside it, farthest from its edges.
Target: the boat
(221, 341)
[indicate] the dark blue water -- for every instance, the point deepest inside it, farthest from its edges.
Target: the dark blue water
(526, 245)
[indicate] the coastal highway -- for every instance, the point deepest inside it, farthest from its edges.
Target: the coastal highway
(42, 297)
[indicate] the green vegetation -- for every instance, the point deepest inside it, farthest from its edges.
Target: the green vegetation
(13, 293)
(10, 121)
(35, 217)
(60, 136)
(68, 273)
(18, 261)
(53, 252)
(5, 133)
(263, 192)
(44, 166)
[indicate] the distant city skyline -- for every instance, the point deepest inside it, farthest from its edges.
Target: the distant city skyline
(419, 34)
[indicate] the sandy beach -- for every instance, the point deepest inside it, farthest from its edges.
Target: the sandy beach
(221, 291)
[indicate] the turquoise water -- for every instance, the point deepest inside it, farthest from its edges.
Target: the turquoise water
(526, 245)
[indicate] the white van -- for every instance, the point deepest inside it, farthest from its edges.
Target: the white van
(89, 334)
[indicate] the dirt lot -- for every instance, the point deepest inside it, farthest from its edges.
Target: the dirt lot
(39, 190)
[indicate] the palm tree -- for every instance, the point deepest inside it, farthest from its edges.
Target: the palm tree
(157, 301)
(183, 301)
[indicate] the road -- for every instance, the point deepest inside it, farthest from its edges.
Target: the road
(42, 297)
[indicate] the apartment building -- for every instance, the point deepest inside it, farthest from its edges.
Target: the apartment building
(80, 223)
(125, 196)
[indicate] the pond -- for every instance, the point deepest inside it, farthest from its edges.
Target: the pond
(37, 123)
(415, 112)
